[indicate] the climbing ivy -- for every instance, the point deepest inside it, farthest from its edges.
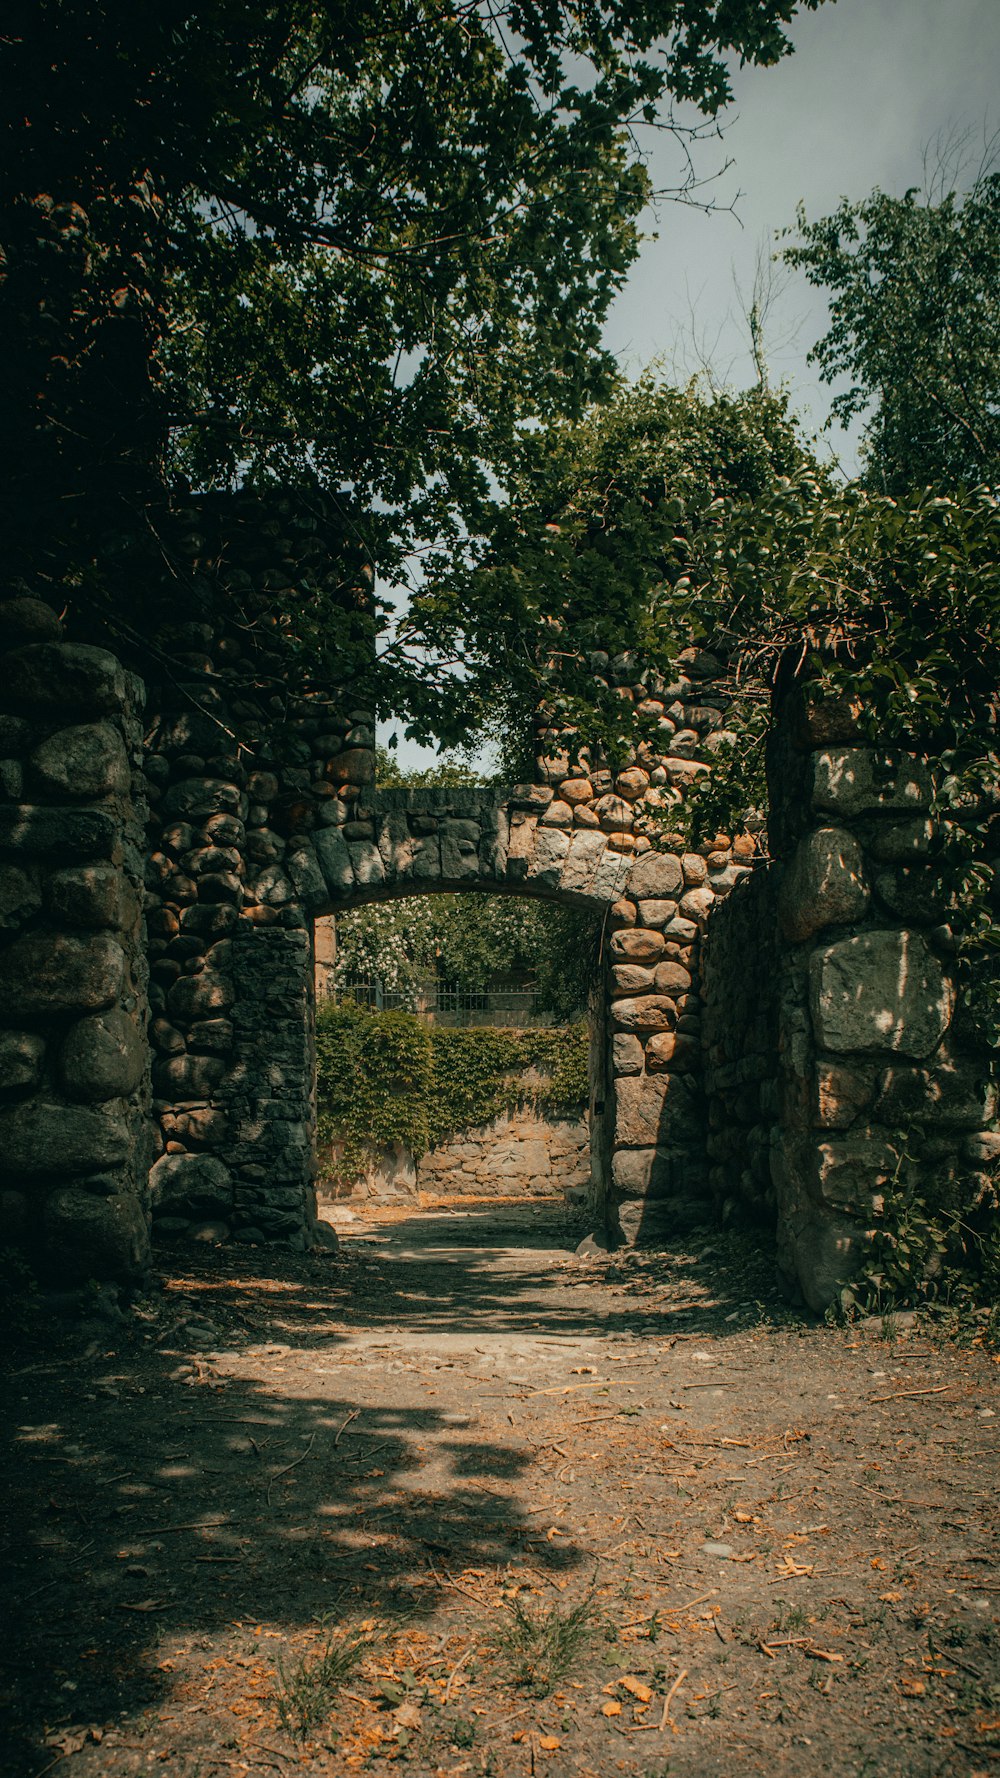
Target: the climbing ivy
(386, 1077)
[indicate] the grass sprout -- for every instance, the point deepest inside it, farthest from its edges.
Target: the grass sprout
(306, 1692)
(540, 1645)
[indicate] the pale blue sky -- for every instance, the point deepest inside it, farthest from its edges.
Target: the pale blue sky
(871, 84)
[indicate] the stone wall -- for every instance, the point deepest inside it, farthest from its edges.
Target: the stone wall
(523, 1153)
(881, 1068)
(74, 1068)
(264, 820)
(807, 1015)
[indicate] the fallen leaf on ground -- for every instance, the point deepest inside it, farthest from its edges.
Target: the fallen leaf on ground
(636, 1687)
(549, 1742)
(911, 1687)
(611, 1709)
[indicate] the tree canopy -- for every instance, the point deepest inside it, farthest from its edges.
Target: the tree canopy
(914, 293)
(305, 242)
(612, 528)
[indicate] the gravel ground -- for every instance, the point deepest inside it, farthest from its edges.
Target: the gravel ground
(459, 1499)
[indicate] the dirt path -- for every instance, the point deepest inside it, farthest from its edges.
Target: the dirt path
(461, 1500)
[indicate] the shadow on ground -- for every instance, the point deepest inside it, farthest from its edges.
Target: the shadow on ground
(202, 1461)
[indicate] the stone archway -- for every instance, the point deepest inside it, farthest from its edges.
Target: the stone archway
(771, 1026)
(237, 1126)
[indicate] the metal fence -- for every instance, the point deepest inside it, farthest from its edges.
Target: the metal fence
(446, 1003)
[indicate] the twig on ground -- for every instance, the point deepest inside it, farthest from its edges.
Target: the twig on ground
(341, 1430)
(457, 1669)
(898, 1394)
(671, 1695)
(294, 1465)
(194, 1525)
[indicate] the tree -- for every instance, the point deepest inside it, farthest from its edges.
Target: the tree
(316, 243)
(612, 525)
(914, 293)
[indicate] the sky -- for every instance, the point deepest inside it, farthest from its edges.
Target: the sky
(871, 85)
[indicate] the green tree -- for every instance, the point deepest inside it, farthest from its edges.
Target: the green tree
(310, 242)
(913, 285)
(612, 528)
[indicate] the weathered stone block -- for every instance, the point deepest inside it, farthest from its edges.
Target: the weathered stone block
(676, 1051)
(356, 765)
(879, 991)
(956, 1092)
(19, 897)
(636, 945)
(823, 885)
(853, 1170)
(843, 1093)
(632, 783)
(900, 842)
(548, 854)
(366, 861)
(200, 797)
(213, 1036)
(334, 860)
(95, 1237)
(916, 893)
(672, 978)
(656, 875)
(459, 851)
(43, 973)
(626, 1053)
(656, 913)
(88, 760)
(851, 781)
(649, 1012)
(648, 1172)
(303, 868)
(188, 1077)
(193, 1184)
(641, 1112)
(200, 996)
(630, 978)
(655, 1222)
(21, 1057)
(93, 895)
(64, 833)
(697, 904)
(103, 1057)
(202, 1126)
(69, 678)
(41, 1137)
(26, 620)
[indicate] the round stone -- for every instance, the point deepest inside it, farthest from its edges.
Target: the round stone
(103, 1057)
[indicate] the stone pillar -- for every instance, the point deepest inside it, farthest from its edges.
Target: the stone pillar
(74, 1077)
(882, 1071)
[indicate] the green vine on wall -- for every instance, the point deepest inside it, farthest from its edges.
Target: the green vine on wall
(386, 1077)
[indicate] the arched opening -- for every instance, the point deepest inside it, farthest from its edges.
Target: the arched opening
(461, 1063)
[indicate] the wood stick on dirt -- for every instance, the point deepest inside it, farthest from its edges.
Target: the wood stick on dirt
(897, 1395)
(341, 1430)
(293, 1465)
(456, 1670)
(671, 1695)
(194, 1525)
